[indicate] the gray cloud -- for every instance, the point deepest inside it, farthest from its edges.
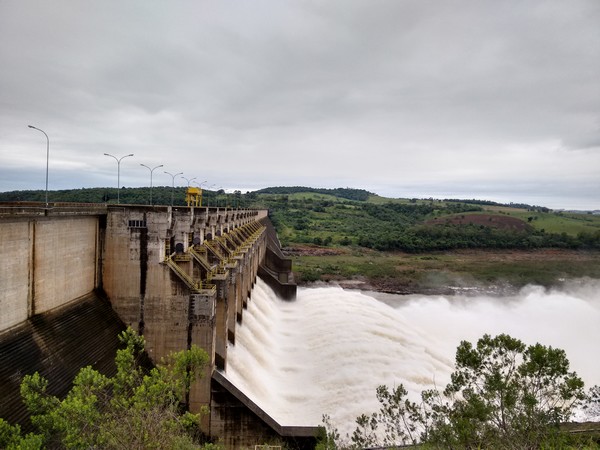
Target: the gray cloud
(404, 98)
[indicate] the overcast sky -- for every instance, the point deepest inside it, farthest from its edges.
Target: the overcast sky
(487, 99)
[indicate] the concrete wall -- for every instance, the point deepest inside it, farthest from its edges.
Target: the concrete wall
(48, 261)
(149, 295)
(141, 289)
(16, 250)
(276, 269)
(65, 260)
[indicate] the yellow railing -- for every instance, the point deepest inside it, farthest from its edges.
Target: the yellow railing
(199, 254)
(229, 239)
(236, 237)
(214, 250)
(183, 275)
(221, 241)
(208, 286)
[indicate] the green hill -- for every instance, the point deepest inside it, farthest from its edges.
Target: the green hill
(345, 217)
(399, 245)
(333, 218)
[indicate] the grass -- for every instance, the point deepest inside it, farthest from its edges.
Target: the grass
(435, 271)
(571, 224)
(377, 200)
(305, 218)
(553, 222)
(304, 196)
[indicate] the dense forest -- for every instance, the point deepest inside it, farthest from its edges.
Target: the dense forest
(160, 195)
(347, 193)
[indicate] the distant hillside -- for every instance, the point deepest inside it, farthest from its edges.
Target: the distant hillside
(161, 195)
(319, 217)
(345, 217)
(347, 193)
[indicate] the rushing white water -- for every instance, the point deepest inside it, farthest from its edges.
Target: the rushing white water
(326, 352)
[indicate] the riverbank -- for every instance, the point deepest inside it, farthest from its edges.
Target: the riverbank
(494, 272)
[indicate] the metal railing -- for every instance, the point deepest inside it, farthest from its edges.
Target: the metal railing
(214, 250)
(195, 286)
(199, 253)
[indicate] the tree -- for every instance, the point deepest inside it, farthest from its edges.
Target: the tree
(137, 408)
(399, 421)
(502, 394)
(505, 395)
(327, 435)
(11, 439)
(593, 401)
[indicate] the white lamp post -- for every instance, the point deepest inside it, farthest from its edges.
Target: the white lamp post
(151, 170)
(189, 180)
(172, 183)
(47, 158)
(118, 173)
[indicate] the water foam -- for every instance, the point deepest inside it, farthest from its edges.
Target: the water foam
(327, 352)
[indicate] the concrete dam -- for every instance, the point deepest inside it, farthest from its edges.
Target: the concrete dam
(75, 275)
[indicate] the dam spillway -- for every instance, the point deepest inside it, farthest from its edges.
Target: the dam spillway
(307, 356)
(327, 352)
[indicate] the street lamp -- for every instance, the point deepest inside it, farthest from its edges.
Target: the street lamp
(221, 189)
(200, 189)
(151, 170)
(189, 180)
(172, 183)
(208, 189)
(118, 173)
(47, 158)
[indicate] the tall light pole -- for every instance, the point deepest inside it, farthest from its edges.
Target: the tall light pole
(209, 188)
(118, 173)
(151, 170)
(172, 183)
(47, 158)
(200, 188)
(189, 180)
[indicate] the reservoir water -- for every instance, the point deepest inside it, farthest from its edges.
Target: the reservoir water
(327, 352)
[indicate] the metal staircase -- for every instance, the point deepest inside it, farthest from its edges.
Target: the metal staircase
(196, 287)
(199, 253)
(225, 248)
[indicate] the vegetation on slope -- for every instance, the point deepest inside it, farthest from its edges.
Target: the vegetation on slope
(351, 233)
(344, 216)
(137, 408)
(432, 246)
(347, 193)
(495, 271)
(161, 195)
(425, 225)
